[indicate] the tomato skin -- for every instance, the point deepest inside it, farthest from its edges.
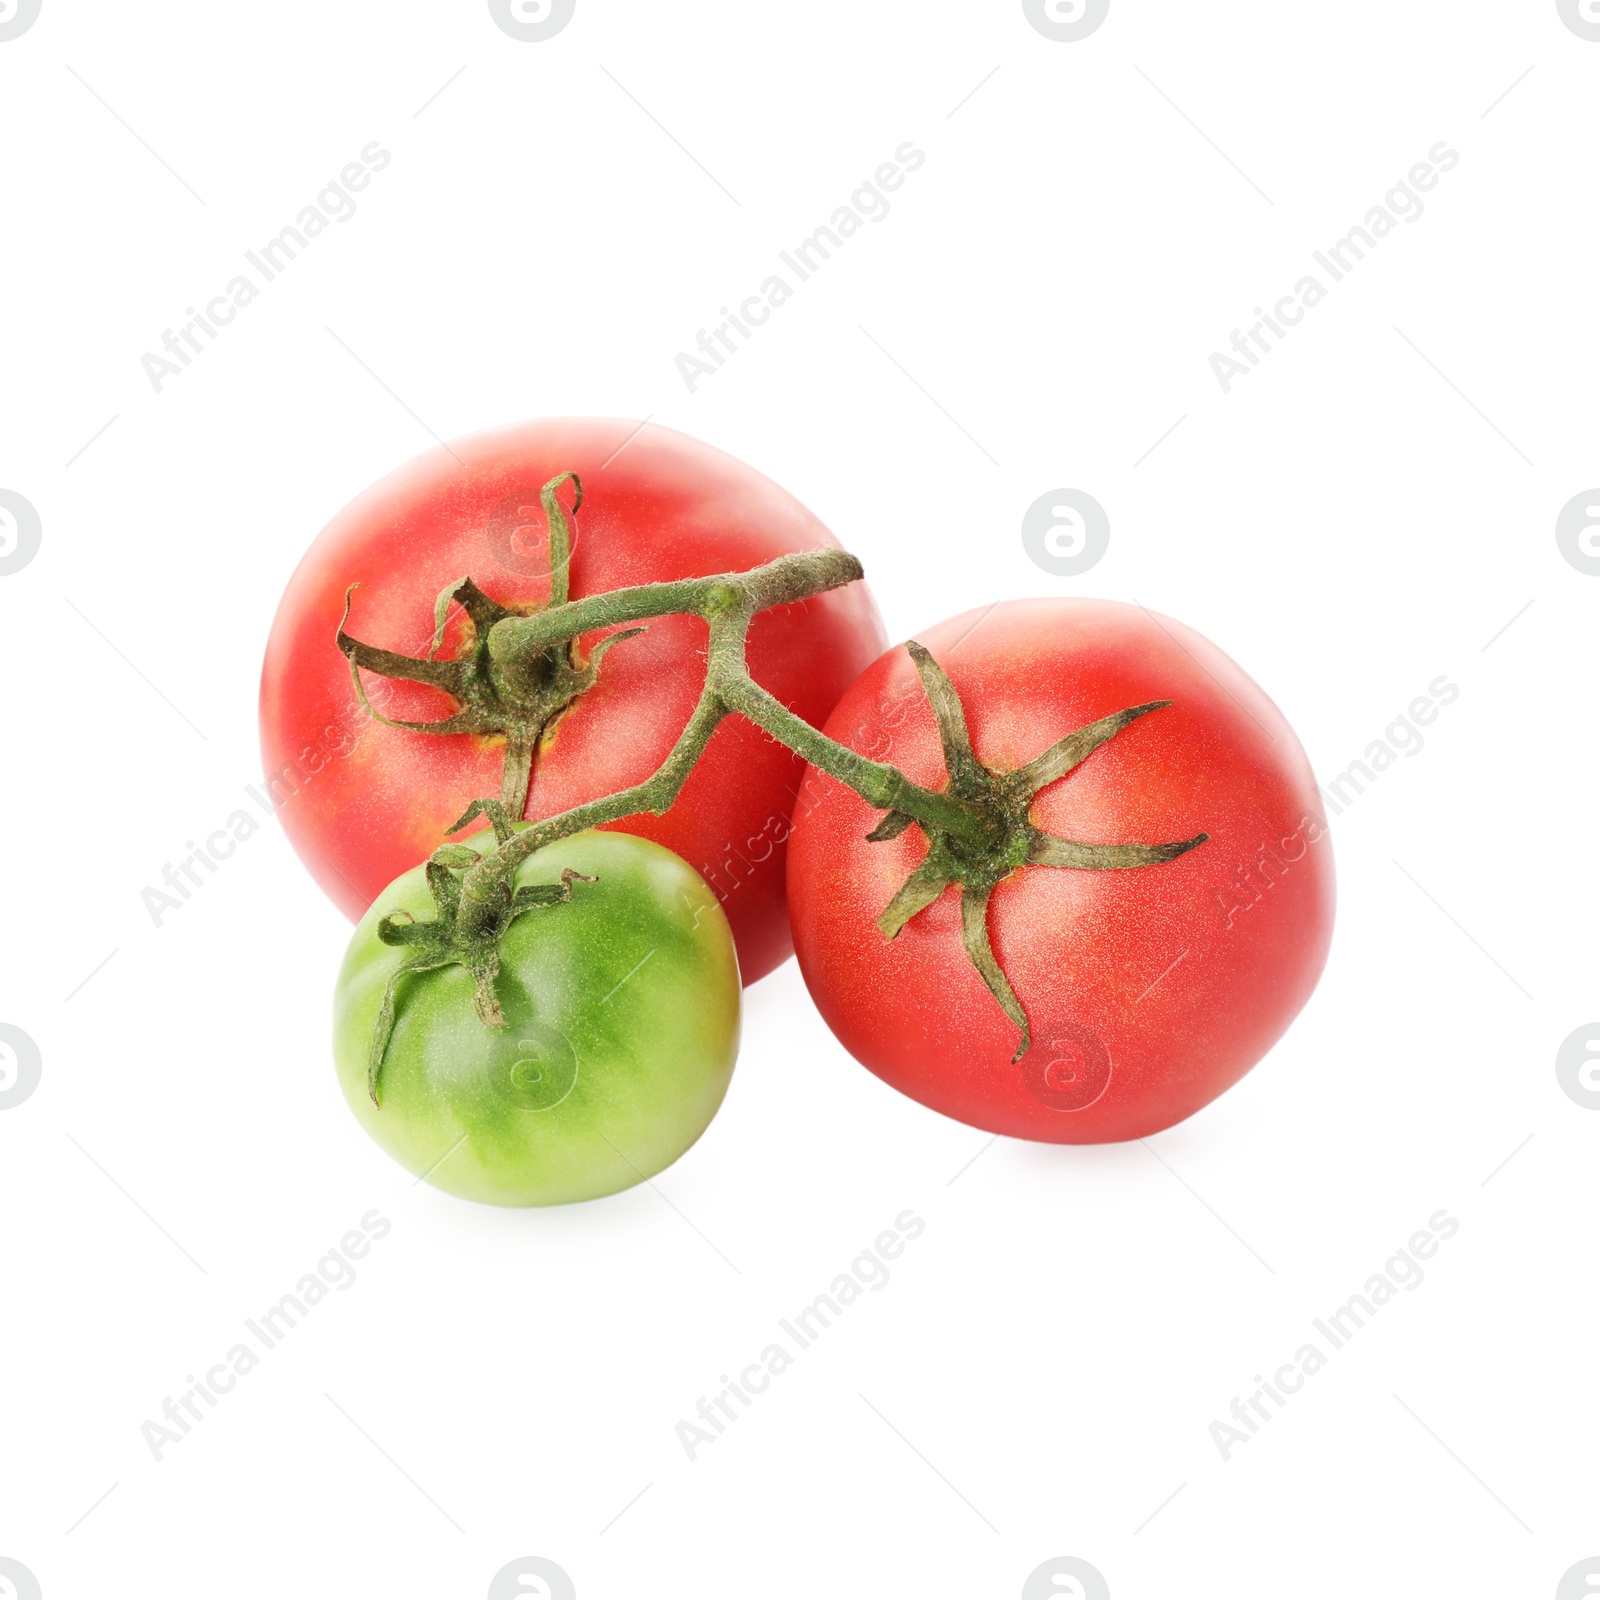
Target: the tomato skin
(622, 1010)
(362, 803)
(1149, 990)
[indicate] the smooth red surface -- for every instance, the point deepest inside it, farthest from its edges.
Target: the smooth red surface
(1149, 990)
(364, 803)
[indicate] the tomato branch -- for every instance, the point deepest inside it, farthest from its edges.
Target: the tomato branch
(521, 668)
(728, 604)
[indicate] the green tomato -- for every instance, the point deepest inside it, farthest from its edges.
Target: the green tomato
(622, 1025)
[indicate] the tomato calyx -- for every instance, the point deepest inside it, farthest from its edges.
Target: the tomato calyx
(519, 697)
(1010, 840)
(449, 939)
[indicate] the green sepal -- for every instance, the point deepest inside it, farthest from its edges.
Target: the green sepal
(975, 938)
(892, 826)
(560, 534)
(918, 892)
(1067, 753)
(967, 776)
(1046, 850)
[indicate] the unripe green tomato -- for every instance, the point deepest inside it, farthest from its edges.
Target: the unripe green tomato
(622, 1013)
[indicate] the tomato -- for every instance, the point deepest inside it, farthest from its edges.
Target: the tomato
(1148, 990)
(362, 802)
(621, 1007)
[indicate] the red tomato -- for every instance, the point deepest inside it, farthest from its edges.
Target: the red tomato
(1149, 990)
(363, 803)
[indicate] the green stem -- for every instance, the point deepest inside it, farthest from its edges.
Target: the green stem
(884, 787)
(486, 886)
(728, 603)
(517, 772)
(780, 582)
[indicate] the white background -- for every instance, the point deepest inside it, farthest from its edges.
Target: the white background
(1368, 510)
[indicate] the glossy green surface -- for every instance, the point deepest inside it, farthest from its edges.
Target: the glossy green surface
(622, 1008)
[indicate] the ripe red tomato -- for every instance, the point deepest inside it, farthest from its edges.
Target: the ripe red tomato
(1149, 989)
(363, 803)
